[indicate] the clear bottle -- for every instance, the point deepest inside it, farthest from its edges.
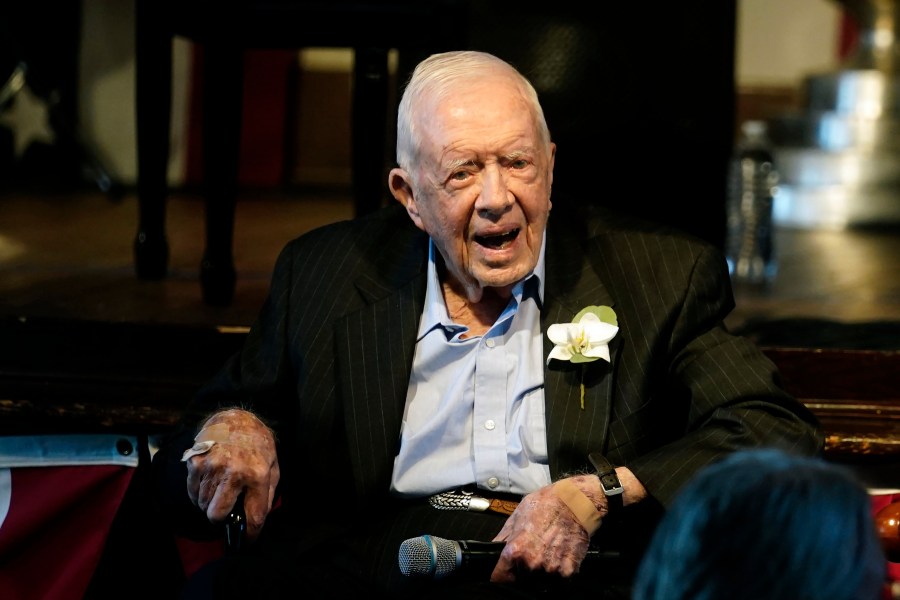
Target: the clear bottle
(752, 185)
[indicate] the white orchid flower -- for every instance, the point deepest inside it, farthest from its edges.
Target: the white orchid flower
(584, 340)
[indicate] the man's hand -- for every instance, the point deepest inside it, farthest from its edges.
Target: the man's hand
(543, 533)
(242, 458)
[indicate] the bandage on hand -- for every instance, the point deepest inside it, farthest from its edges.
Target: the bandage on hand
(581, 506)
(221, 433)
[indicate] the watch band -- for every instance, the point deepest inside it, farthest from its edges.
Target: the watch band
(609, 481)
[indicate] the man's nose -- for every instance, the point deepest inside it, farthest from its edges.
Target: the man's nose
(495, 195)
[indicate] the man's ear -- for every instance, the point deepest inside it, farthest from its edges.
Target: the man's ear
(551, 165)
(402, 190)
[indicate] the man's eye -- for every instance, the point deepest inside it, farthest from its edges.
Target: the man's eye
(459, 176)
(520, 163)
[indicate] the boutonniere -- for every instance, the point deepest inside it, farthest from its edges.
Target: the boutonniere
(585, 339)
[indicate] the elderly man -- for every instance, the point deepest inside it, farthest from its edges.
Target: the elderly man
(470, 350)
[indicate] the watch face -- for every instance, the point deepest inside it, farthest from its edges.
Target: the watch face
(611, 484)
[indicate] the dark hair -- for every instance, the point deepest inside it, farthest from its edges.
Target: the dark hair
(766, 524)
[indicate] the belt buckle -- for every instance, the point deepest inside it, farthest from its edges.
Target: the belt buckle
(459, 500)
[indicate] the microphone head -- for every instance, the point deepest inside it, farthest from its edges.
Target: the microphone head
(429, 556)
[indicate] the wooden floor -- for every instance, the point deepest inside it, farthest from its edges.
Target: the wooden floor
(69, 255)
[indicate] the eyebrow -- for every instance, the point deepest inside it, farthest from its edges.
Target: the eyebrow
(459, 162)
(462, 162)
(518, 154)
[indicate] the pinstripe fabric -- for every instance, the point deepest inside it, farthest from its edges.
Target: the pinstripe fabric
(572, 432)
(374, 366)
(680, 390)
(329, 359)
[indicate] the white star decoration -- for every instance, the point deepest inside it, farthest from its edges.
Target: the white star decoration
(28, 117)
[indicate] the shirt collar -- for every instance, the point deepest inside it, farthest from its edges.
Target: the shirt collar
(435, 313)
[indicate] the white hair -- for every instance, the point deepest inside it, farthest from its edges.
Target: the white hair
(435, 77)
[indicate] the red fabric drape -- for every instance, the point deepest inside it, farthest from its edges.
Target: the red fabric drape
(56, 527)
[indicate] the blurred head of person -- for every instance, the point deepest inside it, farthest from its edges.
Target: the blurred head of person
(766, 524)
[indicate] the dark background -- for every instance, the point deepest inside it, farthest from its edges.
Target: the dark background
(639, 98)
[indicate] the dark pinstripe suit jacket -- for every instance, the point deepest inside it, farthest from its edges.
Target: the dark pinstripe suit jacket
(329, 358)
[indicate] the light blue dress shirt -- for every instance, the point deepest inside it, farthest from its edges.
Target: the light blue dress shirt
(475, 407)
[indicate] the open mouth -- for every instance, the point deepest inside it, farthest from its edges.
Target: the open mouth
(497, 241)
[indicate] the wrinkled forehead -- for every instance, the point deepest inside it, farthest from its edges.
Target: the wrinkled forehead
(435, 91)
(489, 103)
(444, 95)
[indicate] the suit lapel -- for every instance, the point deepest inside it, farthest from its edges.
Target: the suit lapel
(374, 348)
(573, 432)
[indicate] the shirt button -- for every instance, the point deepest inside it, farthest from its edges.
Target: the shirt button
(489, 342)
(493, 482)
(489, 424)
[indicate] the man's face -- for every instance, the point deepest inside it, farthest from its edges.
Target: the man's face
(482, 186)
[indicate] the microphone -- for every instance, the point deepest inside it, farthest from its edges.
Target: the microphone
(435, 557)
